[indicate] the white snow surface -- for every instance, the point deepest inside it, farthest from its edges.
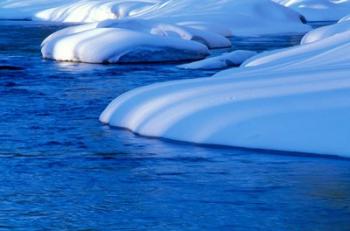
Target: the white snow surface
(319, 10)
(225, 17)
(324, 32)
(118, 45)
(294, 99)
(207, 21)
(346, 18)
(226, 60)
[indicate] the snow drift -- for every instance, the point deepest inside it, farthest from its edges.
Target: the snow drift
(324, 32)
(242, 17)
(164, 24)
(319, 10)
(117, 45)
(295, 99)
(230, 59)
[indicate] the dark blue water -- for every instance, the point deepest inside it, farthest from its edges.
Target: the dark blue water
(63, 170)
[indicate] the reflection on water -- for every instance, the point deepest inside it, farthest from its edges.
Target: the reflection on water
(62, 169)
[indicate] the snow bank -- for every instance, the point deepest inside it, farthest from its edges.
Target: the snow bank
(346, 18)
(19, 10)
(242, 17)
(325, 53)
(58, 46)
(227, 17)
(116, 45)
(232, 59)
(93, 11)
(295, 99)
(171, 20)
(319, 10)
(324, 32)
(208, 38)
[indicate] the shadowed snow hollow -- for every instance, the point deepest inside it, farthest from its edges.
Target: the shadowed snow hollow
(295, 99)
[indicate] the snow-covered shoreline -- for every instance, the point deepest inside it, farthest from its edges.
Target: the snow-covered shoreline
(293, 99)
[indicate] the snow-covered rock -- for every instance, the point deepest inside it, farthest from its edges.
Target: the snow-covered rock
(295, 99)
(226, 17)
(115, 45)
(226, 60)
(319, 10)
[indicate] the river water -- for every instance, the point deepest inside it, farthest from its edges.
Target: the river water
(63, 170)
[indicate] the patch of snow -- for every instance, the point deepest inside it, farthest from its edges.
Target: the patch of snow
(210, 39)
(238, 17)
(93, 11)
(19, 10)
(294, 99)
(319, 10)
(116, 45)
(324, 32)
(208, 26)
(344, 19)
(226, 60)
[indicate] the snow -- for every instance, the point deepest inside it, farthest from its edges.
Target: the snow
(164, 21)
(210, 39)
(319, 10)
(346, 18)
(231, 59)
(63, 44)
(294, 99)
(116, 45)
(226, 17)
(324, 32)
(317, 55)
(16, 9)
(93, 11)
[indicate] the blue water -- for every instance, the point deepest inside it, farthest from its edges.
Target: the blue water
(63, 170)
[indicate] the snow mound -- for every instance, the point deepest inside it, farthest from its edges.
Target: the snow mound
(325, 53)
(227, 17)
(116, 45)
(326, 31)
(319, 10)
(344, 19)
(24, 10)
(93, 11)
(207, 26)
(295, 99)
(210, 39)
(176, 34)
(232, 59)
